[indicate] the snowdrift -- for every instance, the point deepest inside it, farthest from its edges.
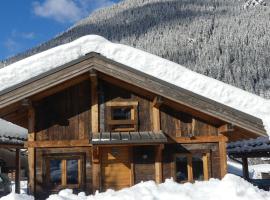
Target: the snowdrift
(231, 187)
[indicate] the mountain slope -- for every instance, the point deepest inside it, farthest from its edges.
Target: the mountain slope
(219, 38)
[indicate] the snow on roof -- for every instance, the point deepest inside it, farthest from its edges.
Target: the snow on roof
(11, 133)
(145, 62)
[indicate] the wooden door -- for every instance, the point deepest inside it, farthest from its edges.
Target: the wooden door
(115, 168)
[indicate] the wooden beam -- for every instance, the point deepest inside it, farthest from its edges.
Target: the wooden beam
(156, 118)
(18, 172)
(225, 129)
(189, 168)
(132, 170)
(12, 146)
(58, 143)
(158, 164)
(245, 168)
(31, 150)
(223, 157)
(95, 129)
(96, 185)
(94, 102)
(206, 166)
(198, 139)
(158, 101)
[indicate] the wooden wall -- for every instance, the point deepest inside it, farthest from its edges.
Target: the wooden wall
(144, 163)
(114, 93)
(180, 124)
(64, 115)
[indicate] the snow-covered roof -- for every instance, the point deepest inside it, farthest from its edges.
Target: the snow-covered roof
(11, 133)
(142, 61)
(250, 146)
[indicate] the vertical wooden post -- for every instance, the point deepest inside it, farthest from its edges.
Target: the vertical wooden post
(96, 169)
(158, 164)
(132, 173)
(156, 114)
(31, 150)
(94, 102)
(189, 167)
(205, 166)
(18, 172)
(223, 157)
(156, 128)
(245, 168)
(95, 129)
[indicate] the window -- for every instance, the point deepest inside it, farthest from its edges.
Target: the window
(122, 115)
(64, 171)
(190, 167)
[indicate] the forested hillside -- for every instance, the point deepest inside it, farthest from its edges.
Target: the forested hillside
(226, 39)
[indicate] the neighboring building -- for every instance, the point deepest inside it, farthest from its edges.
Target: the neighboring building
(96, 124)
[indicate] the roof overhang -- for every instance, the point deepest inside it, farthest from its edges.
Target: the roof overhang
(134, 77)
(146, 137)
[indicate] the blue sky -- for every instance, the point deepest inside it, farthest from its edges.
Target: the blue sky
(27, 23)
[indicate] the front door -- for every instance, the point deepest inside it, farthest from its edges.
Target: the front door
(115, 168)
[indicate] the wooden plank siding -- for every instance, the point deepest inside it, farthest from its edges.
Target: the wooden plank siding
(64, 115)
(180, 124)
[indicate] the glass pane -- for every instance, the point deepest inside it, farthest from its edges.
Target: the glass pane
(197, 167)
(55, 171)
(181, 168)
(72, 172)
(121, 113)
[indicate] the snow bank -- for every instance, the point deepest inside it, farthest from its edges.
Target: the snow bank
(142, 61)
(8, 129)
(13, 196)
(230, 187)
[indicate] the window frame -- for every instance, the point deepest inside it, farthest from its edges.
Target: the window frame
(63, 166)
(132, 123)
(205, 159)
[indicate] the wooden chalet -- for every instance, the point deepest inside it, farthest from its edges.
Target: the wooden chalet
(96, 124)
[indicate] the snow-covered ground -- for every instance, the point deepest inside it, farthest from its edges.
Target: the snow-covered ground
(231, 187)
(142, 61)
(23, 186)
